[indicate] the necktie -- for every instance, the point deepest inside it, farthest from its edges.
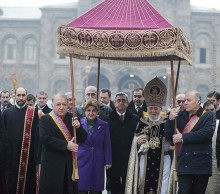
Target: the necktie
(138, 109)
(121, 118)
(3, 109)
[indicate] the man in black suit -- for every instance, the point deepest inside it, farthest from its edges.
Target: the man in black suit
(214, 96)
(122, 125)
(105, 98)
(42, 109)
(4, 101)
(42, 98)
(138, 105)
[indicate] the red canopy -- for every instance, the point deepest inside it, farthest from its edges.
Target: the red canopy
(123, 15)
(123, 30)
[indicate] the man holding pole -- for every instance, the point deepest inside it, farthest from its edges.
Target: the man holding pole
(193, 137)
(59, 148)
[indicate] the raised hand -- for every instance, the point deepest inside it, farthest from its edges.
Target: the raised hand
(75, 122)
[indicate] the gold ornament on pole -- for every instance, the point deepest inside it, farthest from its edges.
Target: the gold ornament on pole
(14, 85)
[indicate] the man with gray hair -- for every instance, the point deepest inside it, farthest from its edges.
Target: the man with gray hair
(122, 124)
(41, 98)
(193, 136)
(42, 109)
(180, 100)
(91, 93)
(69, 101)
(57, 136)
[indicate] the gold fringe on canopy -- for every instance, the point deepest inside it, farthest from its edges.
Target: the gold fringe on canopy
(130, 44)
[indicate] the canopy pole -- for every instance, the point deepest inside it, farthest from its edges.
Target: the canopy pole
(75, 174)
(177, 76)
(173, 84)
(98, 78)
(174, 178)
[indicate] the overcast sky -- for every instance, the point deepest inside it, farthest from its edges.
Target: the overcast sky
(38, 3)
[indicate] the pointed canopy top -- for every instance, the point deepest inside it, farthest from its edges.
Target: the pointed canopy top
(123, 30)
(123, 15)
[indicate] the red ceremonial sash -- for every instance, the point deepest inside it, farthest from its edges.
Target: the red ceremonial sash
(189, 126)
(61, 126)
(63, 129)
(25, 148)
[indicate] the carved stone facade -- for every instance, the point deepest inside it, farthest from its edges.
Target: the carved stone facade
(28, 47)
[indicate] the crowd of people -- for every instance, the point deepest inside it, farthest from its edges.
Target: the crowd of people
(114, 144)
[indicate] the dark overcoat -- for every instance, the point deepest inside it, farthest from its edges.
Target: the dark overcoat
(131, 107)
(122, 134)
(8, 106)
(56, 160)
(93, 155)
(45, 110)
(218, 146)
(38, 142)
(3, 155)
(13, 126)
(195, 153)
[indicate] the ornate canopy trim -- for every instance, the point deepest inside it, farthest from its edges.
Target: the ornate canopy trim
(124, 43)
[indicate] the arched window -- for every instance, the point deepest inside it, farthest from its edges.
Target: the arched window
(203, 49)
(10, 49)
(91, 80)
(30, 50)
(127, 84)
(60, 86)
(203, 90)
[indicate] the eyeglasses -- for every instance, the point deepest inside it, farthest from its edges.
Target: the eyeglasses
(90, 94)
(179, 101)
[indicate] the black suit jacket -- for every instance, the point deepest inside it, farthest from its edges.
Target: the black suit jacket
(122, 134)
(45, 110)
(38, 143)
(131, 107)
(112, 105)
(8, 106)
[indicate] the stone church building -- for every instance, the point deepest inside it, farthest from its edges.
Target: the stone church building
(28, 39)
